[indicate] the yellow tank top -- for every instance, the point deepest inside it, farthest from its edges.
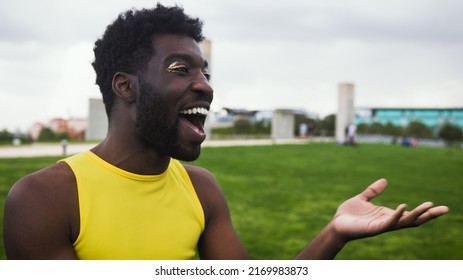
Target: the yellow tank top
(130, 216)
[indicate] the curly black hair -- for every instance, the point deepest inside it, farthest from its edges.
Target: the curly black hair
(127, 44)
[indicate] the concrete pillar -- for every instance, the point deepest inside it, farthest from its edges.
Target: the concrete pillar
(346, 111)
(97, 120)
(206, 48)
(282, 124)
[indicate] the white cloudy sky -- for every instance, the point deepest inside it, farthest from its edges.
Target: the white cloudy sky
(266, 54)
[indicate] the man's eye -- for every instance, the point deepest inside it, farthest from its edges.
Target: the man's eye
(176, 68)
(207, 75)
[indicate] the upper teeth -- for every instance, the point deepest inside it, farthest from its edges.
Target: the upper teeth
(198, 110)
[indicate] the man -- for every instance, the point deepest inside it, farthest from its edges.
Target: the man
(129, 197)
(351, 131)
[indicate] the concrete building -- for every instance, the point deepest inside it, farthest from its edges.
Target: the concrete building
(206, 48)
(76, 128)
(283, 124)
(346, 111)
(97, 120)
(431, 117)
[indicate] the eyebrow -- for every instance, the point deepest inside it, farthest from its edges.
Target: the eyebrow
(188, 58)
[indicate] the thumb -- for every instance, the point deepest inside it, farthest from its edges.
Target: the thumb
(373, 190)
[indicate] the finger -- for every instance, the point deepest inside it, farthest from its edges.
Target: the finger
(374, 189)
(392, 222)
(430, 214)
(409, 218)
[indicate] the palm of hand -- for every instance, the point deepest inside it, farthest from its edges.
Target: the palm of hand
(358, 217)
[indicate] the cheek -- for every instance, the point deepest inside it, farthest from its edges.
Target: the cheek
(161, 103)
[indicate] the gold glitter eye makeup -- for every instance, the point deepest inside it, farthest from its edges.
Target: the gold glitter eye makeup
(179, 68)
(176, 67)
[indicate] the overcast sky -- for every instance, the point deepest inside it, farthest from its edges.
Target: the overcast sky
(266, 54)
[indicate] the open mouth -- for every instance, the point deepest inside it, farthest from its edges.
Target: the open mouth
(195, 118)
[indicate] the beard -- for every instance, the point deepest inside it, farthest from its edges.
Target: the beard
(158, 126)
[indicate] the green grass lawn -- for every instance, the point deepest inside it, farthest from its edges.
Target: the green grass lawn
(281, 196)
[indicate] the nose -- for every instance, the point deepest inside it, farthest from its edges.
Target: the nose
(202, 86)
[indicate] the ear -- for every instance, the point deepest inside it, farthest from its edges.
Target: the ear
(125, 86)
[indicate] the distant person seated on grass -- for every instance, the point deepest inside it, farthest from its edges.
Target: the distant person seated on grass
(129, 197)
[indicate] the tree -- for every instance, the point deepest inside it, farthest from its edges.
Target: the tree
(450, 133)
(419, 130)
(48, 135)
(300, 119)
(6, 136)
(327, 125)
(242, 126)
(376, 128)
(392, 130)
(262, 127)
(362, 128)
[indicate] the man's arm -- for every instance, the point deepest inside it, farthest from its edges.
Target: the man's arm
(358, 218)
(219, 239)
(355, 218)
(40, 216)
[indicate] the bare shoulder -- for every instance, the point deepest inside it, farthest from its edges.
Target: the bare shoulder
(46, 185)
(219, 239)
(203, 181)
(41, 214)
(49, 193)
(207, 188)
(202, 176)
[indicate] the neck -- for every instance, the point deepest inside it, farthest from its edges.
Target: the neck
(126, 151)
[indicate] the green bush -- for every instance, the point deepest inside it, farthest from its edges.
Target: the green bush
(418, 130)
(450, 133)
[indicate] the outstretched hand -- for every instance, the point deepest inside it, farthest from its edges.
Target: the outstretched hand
(358, 217)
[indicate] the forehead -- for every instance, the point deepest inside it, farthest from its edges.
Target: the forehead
(167, 46)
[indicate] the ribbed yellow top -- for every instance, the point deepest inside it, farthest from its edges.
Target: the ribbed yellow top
(130, 216)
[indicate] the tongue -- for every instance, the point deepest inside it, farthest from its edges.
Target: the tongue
(195, 124)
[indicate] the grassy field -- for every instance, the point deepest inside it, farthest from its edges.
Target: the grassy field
(280, 197)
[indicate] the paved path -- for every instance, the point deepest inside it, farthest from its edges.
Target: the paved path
(35, 150)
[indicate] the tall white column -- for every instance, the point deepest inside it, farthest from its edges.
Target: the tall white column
(346, 113)
(206, 48)
(97, 120)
